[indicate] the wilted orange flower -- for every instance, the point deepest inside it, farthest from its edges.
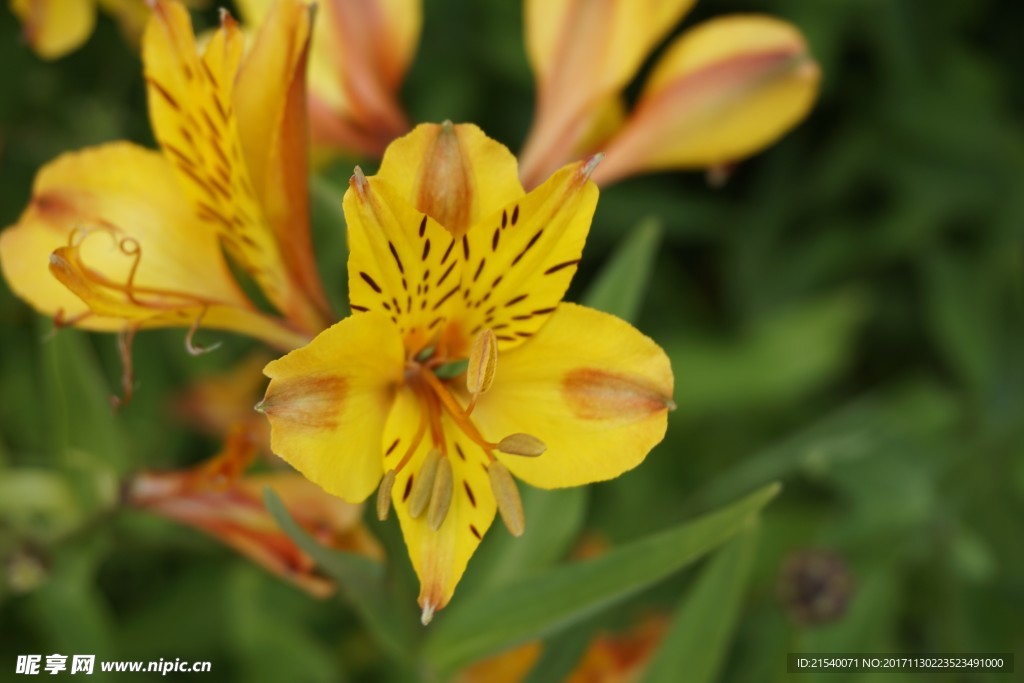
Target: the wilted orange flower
(721, 91)
(216, 498)
(610, 658)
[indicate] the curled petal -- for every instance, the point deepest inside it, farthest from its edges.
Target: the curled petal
(723, 91)
(599, 406)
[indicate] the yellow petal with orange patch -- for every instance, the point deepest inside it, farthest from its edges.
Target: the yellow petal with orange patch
(519, 261)
(439, 557)
(328, 402)
(588, 385)
(454, 173)
(401, 262)
(55, 27)
(192, 111)
(133, 231)
(722, 91)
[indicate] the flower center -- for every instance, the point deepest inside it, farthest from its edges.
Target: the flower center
(431, 491)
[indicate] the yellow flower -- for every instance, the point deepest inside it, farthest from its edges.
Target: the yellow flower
(460, 366)
(720, 92)
(54, 28)
(214, 498)
(136, 238)
(360, 52)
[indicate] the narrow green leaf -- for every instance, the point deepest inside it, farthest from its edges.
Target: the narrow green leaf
(560, 597)
(328, 226)
(553, 521)
(703, 626)
(360, 580)
(620, 286)
(561, 655)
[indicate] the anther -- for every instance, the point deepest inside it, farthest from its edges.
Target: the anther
(441, 495)
(510, 505)
(423, 484)
(360, 182)
(384, 495)
(522, 444)
(483, 361)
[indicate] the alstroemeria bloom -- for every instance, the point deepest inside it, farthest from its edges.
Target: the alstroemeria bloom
(56, 27)
(360, 53)
(119, 238)
(721, 91)
(452, 262)
(214, 498)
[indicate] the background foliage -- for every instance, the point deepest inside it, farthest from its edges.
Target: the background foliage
(845, 316)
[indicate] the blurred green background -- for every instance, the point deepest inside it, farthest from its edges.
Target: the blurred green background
(845, 315)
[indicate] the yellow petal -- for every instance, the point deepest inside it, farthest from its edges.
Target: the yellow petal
(439, 557)
(453, 173)
(591, 387)
(722, 91)
(55, 27)
(401, 262)
(270, 105)
(583, 53)
(520, 260)
(107, 195)
(328, 401)
(191, 109)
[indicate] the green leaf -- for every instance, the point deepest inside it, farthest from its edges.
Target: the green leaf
(360, 580)
(553, 521)
(327, 222)
(620, 287)
(561, 655)
(703, 626)
(555, 600)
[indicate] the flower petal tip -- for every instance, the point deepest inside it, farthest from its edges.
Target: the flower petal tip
(428, 613)
(359, 182)
(226, 20)
(590, 164)
(259, 407)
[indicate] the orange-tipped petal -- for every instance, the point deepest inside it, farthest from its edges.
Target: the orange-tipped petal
(55, 27)
(583, 53)
(723, 91)
(191, 106)
(270, 105)
(592, 388)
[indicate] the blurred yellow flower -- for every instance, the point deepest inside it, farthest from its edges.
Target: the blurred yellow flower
(460, 366)
(361, 50)
(721, 91)
(53, 28)
(215, 498)
(134, 238)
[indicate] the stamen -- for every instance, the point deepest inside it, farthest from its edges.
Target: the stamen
(190, 345)
(124, 349)
(423, 486)
(510, 505)
(441, 496)
(384, 495)
(457, 414)
(131, 247)
(483, 361)
(522, 444)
